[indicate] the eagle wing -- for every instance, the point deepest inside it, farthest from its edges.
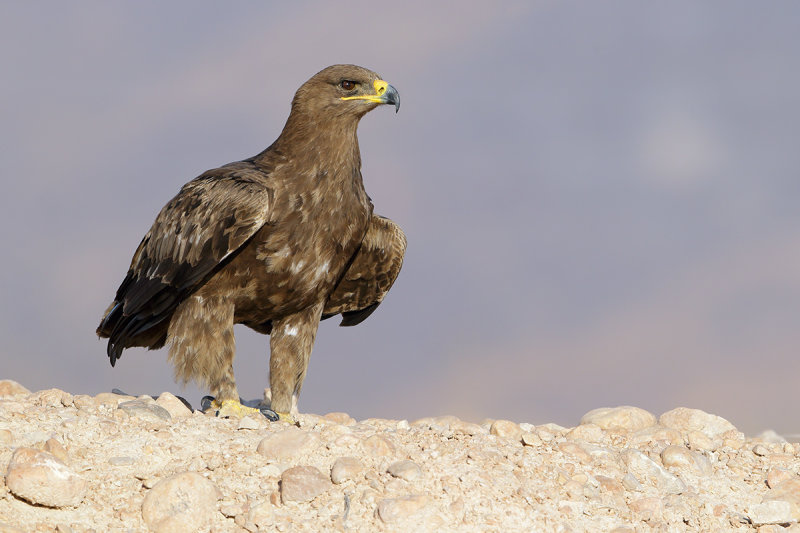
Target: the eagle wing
(198, 232)
(370, 275)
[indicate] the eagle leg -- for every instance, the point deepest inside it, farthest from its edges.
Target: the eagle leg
(290, 342)
(201, 344)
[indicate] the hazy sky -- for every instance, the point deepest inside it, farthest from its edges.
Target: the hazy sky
(600, 198)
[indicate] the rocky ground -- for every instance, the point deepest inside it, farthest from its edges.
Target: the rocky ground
(112, 463)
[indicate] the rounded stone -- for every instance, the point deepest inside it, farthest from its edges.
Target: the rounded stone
(57, 449)
(302, 484)
(174, 406)
(531, 439)
(787, 490)
(378, 446)
(681, 457)
(645, 468)
(261, 514)
(340, 418)
(145, 410)
(345, 468)
(685, 419)
(41, 478)
(700, 441)
(182, 502)
(777, 475)
(397, 509)
(623, 418)
(588, 433)
(771, 512)
(407, 470)
(506, 429)
(290, 442)
(9, 387)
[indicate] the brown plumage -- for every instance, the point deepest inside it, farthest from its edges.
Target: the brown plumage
(276, 242)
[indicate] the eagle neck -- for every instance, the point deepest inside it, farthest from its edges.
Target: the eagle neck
(332, 142)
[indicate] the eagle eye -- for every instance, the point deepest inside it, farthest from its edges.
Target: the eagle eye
(347, 85)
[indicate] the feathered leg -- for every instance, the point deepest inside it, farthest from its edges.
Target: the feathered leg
(201, 345)
(290, 342)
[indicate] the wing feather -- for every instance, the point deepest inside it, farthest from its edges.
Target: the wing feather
(371, 274)
(202, 228)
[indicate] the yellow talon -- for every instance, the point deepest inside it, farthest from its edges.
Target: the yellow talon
(235, 409)
(286, 417)
(232, 408)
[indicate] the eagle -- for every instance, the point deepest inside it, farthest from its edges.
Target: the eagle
(276, 242)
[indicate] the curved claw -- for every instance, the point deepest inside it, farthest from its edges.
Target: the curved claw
(270, 415)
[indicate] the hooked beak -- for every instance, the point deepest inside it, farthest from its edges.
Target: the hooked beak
(384, 94)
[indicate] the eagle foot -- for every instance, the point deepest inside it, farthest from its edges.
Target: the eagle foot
(234, 409)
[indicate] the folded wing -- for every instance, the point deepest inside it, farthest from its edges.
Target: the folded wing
(371, 274)
(198, 232)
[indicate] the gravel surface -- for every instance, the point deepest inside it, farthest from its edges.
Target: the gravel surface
(112, 463)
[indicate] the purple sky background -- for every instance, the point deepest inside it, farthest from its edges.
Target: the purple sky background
(601, 199)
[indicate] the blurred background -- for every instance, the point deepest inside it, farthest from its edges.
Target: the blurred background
(600, 198)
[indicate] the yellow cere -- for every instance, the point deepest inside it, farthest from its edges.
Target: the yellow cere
(380, 88)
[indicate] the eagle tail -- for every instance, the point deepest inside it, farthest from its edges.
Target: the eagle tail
(124, 331)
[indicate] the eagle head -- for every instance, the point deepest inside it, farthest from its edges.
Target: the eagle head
(344, 90)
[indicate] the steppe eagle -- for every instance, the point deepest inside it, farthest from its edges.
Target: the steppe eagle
(277, 242)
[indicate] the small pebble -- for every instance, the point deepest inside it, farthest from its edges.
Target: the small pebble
(686, 420)
(84, 402)
(645, 468)
(681, 457)
(700, 441)
(378, 446)
(647, 508)
(770, 512)
(302, 484)
(182, 502)
(10, 387)
(467, 428)
(248, 422)
(261, 514)
(787, 490)
(145, 411)
(760, 450)
(340, 418)
(345, 468)
(777, 475)
(392, 510)
(407, 470)
(531, 439)
(111, 399)
(588, 433)
(288, 443)
(625, 418)
(174, 406)
(611, 485)
(506, 429)
(57, 449)
(6, 437)
(575, 450)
